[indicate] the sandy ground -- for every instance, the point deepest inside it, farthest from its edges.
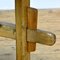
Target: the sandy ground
(8, 51)
(47, 20)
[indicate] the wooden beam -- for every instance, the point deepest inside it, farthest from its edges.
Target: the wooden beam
(33, 36)
(32, 24)
(21, 31)
(7, 33)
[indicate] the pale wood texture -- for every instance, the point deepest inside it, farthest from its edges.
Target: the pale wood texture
(32, 24)
(4, 32)
(21, 32)
(41, 37)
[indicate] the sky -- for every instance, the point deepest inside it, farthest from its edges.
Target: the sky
(39, 4)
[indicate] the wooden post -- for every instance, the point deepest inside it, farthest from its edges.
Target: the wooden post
(32, 24)
(21, 31)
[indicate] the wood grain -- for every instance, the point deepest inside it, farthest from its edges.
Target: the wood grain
(21, 20)
(32, 24)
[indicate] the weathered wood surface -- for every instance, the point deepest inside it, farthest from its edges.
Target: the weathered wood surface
(47, 20)
(21, 18)
(32, 24)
